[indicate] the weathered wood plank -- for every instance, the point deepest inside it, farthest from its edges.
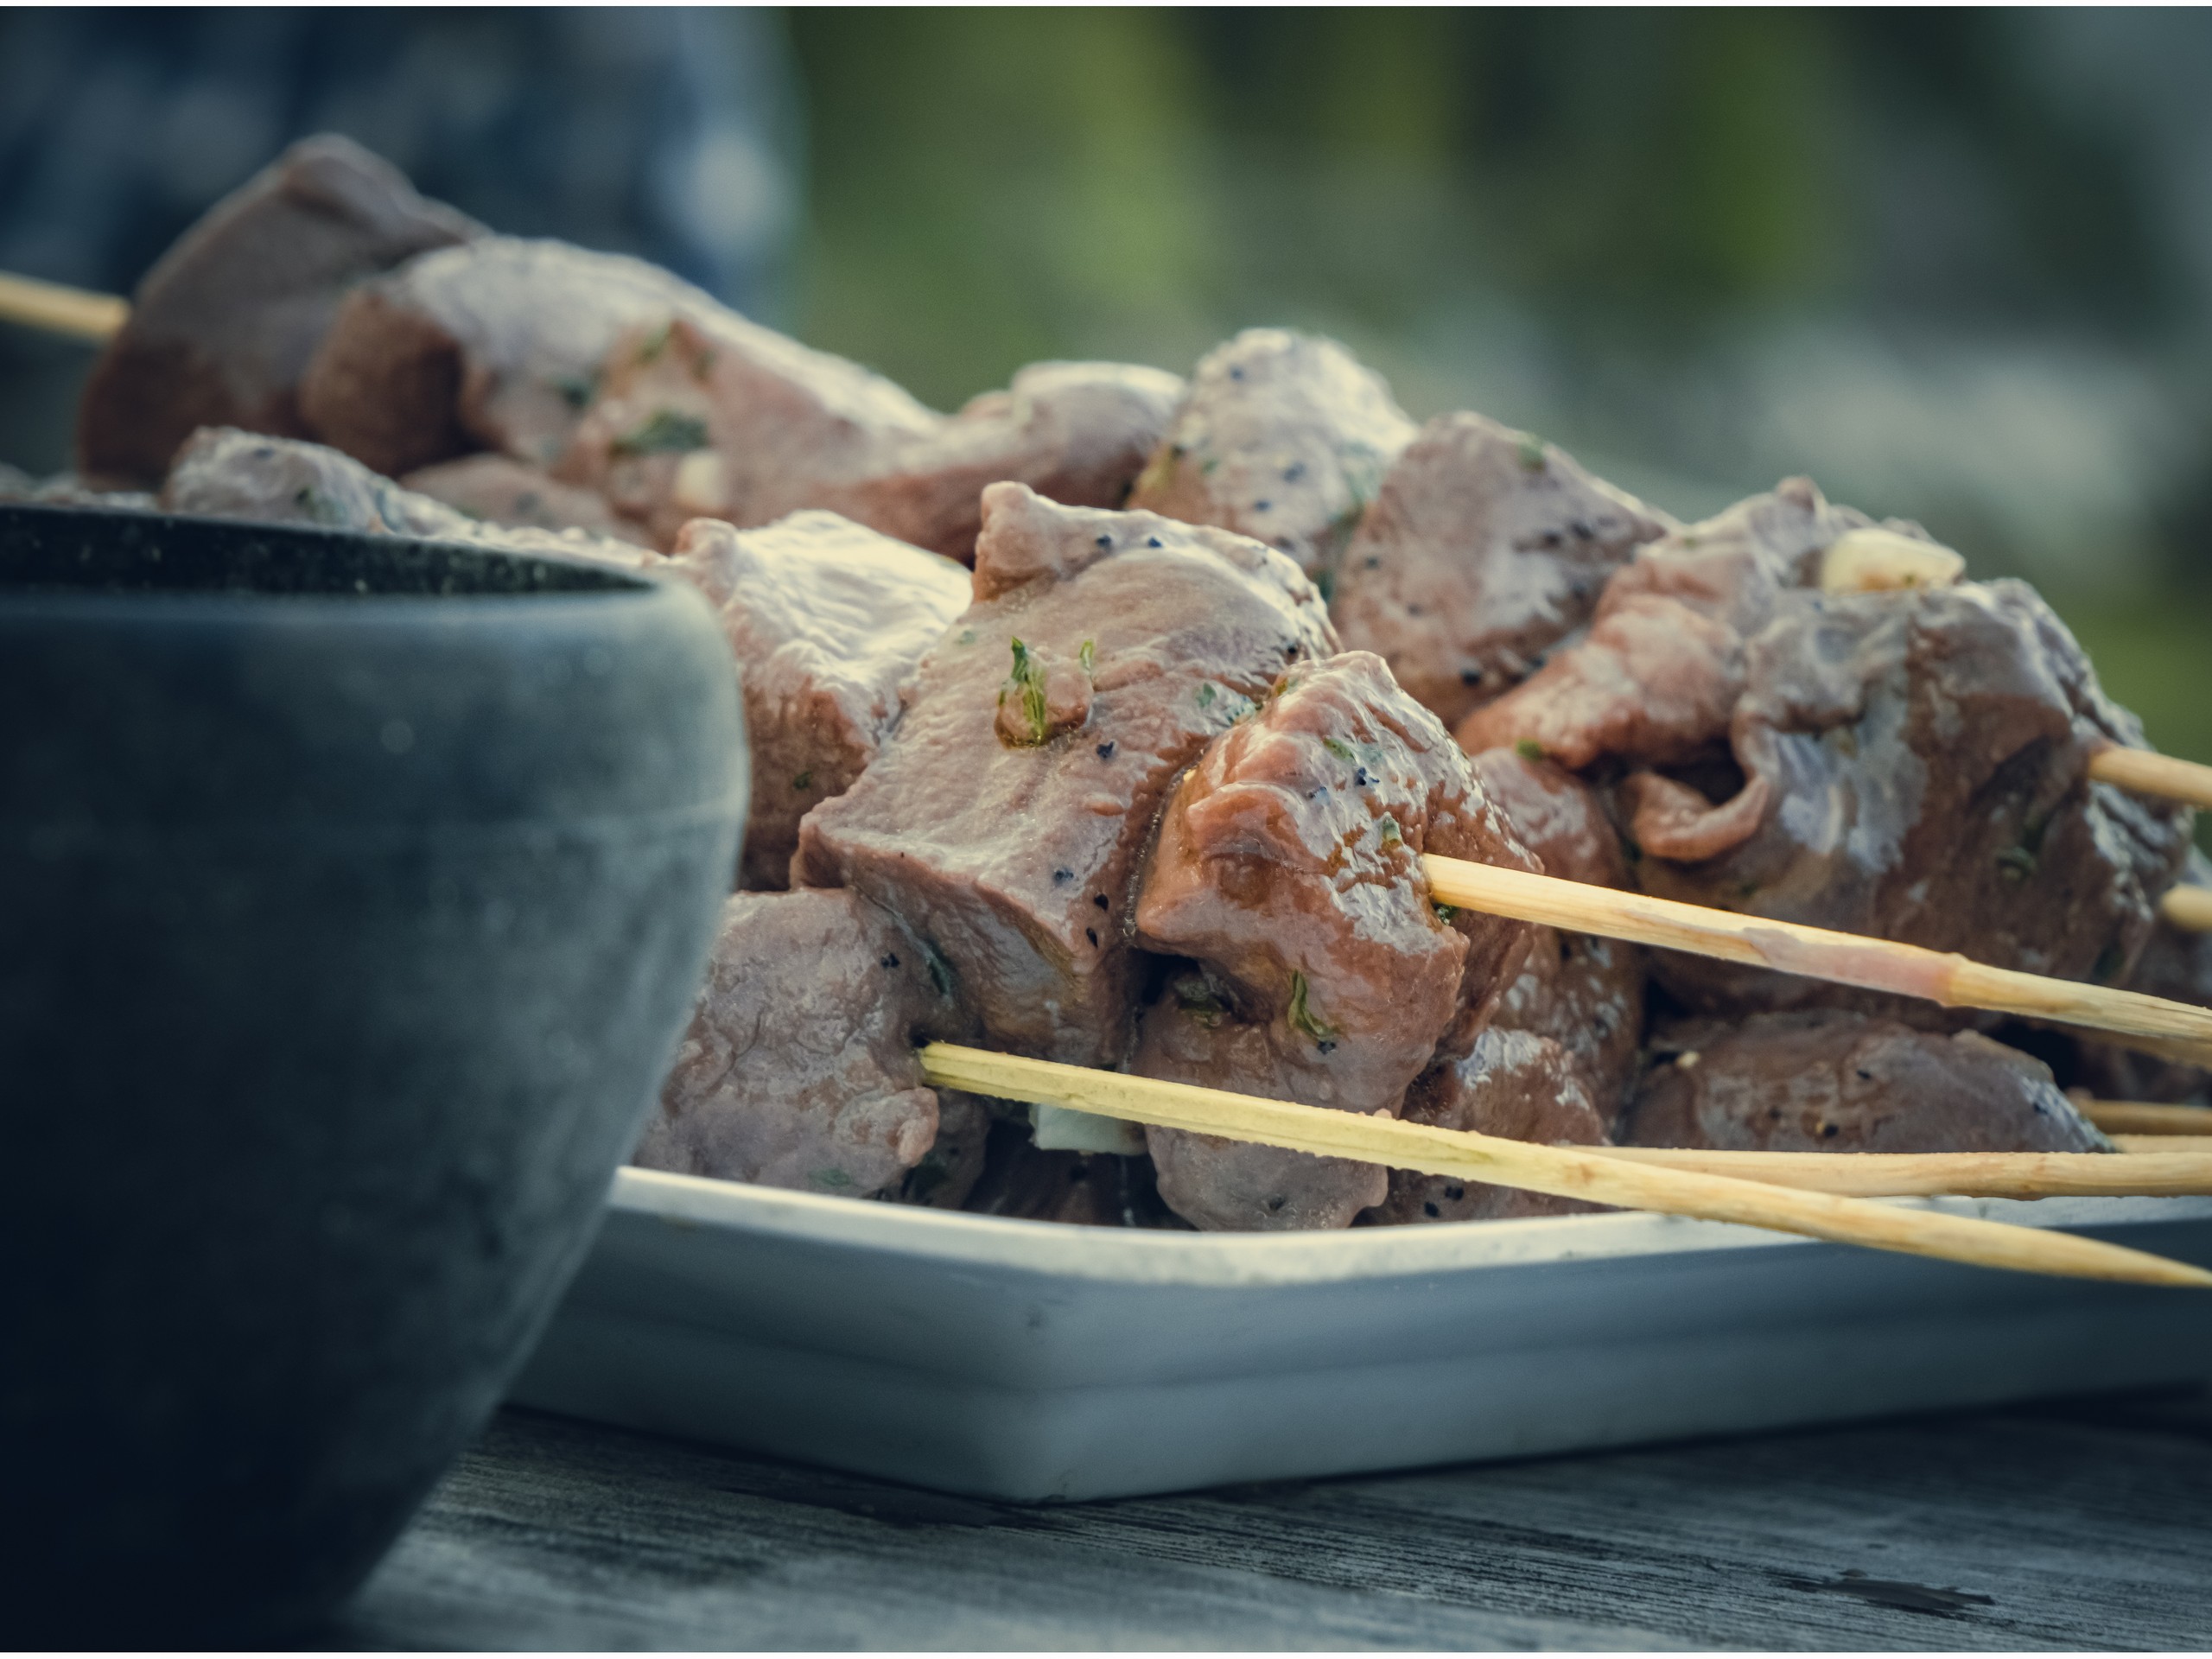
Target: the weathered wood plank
(2074, 1527)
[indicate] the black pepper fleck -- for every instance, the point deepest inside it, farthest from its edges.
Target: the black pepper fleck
(1105, 541)
(1099, 900)
(1153, 541)
(1106, 751)
(1090, 934)
(1061, 877)
(890, 961)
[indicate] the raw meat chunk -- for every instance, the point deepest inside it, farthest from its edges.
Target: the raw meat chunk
(1485, 550)
(224, 474)
(1583, 993)
(828, 620)
(1913, 766)
(1282, 437)
(1830, 1081)
(798, 1069)
(1287, 868)
(495, 345)
(223, 325)
(1515, 1085)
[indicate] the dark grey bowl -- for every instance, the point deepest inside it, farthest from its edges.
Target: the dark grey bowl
(353, 895)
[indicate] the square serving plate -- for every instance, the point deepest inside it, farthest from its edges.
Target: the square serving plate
(1031, 1361)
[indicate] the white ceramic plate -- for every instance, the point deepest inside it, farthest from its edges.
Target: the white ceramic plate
(1031, 1361)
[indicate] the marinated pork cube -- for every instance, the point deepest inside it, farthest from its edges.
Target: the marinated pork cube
(799, 1069)
(1827, 1080)
(1282, 437)
(1076, 432)
(1912, 765)
(711, 415)
(2176, 964)
(496, 345)
(1485, 550)
(223, 325)
(1656, 678)
(1583, 993)
(499, 490)
(222, 472)
(1516, 1085)
(1287, 868)
(828, 620)
(1004, 818)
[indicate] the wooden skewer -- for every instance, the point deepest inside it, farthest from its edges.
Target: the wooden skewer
(60, 310)
(2145, 1167)
(2177, 1029)
(2188, 908)
(2162, 1146)
(1569, 1172)
(2148, 772)
(2145, 1118)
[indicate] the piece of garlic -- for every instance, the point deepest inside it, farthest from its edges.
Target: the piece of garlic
(1874, 560)
(699, 482)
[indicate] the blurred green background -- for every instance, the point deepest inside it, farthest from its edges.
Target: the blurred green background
(1956, 265)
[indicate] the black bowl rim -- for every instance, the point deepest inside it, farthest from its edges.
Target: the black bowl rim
(604, 582)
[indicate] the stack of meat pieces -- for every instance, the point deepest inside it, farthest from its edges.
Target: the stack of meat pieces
(536, 384)
(1132, 794)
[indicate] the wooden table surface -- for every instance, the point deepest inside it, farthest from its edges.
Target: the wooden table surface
(2080, 1525)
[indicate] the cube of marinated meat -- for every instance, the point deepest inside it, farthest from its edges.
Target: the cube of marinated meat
(1827, 1080)
(496, 345)
(1583, 993)
(1190, 1035)
(225, 323)
(1486, 547)
(1516, 1085)
(1913, 766)
(798, 1069)
(713, 415)
(222, 472)
(1287, 866)
(828, 620)
(1004, 817)
(1282, 437)
(2176, 964)
(1076, 432)
(498, 490)
(1656, 680)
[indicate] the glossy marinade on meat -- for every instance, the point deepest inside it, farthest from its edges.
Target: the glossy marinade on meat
(1283, 437)
(1287, 874)
(1913, 767)
(1004, 818)
(1654, 681)
(1515, 1085)
(223, 324)
(1582, 993)
(1485, 549)
(222, 472)
(809, 1079)
(1829, 1080)
(2176, 964)
(828, 620)
(1906, 762)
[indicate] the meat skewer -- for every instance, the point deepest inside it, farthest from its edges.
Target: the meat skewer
(2173, 1028)
(2146, 1118)
(1572, 1172)
(2170, 1168)
(2187, 908)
